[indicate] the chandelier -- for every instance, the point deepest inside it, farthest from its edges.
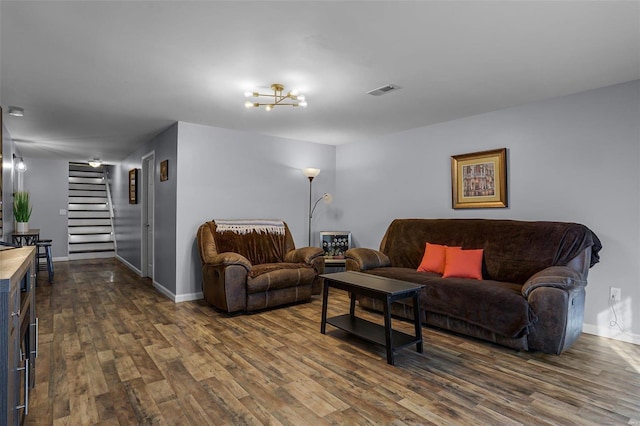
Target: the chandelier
(277, 98)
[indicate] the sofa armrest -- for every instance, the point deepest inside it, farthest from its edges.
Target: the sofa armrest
(560, 277)
(225, 286)
(303, 255)
(313, 256)
(229, 259)
(556, 296)
(224, 281)
(361, 259)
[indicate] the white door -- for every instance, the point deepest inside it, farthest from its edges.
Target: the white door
(148, 169)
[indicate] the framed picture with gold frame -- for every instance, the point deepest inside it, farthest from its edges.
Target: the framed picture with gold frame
(133, 186)
(479, 179)
(164, 170)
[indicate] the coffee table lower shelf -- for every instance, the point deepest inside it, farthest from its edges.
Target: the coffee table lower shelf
(386, 290)
(370, 331)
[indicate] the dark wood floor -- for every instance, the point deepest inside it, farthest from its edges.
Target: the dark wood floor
(115, 351)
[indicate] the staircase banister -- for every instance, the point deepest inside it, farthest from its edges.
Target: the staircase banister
(111, 211)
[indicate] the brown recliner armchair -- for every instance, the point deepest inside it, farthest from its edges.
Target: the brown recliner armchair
(249, 265)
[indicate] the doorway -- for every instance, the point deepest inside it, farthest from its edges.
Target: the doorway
(148, 211)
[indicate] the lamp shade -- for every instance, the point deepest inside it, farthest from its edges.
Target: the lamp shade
(20, 166)
(310, 172)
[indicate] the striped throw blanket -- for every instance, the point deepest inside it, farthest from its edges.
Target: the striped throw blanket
(242, 227)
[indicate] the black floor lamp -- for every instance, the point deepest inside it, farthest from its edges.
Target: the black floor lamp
(310, 173)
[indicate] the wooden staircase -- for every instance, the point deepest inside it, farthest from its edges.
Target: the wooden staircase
(90, 218)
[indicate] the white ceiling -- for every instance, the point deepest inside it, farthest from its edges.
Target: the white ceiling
(97, 79)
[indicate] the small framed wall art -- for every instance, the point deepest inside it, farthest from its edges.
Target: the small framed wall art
(479, 179)
(133, 186)
(164, 170)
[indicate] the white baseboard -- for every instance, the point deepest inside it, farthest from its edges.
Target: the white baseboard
(128, 265)
(611, 333)
(189, 297)
(61, 259)
(162, 289)
(177, 298)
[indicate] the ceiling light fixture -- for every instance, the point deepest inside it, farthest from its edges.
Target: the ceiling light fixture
(95, 162)
(278, 98)
(16, 111)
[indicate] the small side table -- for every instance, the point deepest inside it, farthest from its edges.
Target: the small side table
(334, 265)
(29, 238)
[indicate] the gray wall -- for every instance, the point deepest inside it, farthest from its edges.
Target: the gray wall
(128, 221)
(165, 211)
(7, 184)
(573, 158)
(225, 174)
(47, 181)
(127, 225)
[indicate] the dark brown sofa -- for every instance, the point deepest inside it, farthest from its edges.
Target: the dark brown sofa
(534, 275)
(251, 265)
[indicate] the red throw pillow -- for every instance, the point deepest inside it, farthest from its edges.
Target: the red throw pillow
(463, 264)
(434, 258)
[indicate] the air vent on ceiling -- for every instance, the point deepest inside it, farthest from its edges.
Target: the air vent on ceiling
(382, 90)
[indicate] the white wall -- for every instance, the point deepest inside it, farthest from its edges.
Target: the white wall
(47, 181)
(574, 158)
(128, 221)
(7, 185)
(226, 174)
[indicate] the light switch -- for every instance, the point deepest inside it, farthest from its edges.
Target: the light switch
(63, 212)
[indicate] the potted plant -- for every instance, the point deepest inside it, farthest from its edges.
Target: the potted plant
(22, 210)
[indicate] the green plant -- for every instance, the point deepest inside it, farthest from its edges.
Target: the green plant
(21, 206)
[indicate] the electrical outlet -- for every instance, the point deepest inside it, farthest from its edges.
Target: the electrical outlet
(615, 294)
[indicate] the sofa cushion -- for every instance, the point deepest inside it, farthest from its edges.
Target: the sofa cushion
(463, 264)
(434, 258)
(270, 276)
(481, 303)
(258, 247)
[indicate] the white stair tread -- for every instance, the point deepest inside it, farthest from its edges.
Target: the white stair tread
(97, 214)
(97, 207)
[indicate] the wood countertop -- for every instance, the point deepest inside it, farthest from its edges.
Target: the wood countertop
(15, 261)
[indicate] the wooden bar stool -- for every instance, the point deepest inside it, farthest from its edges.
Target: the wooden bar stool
(43, 251)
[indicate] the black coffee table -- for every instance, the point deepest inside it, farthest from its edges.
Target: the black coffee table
(385, 289)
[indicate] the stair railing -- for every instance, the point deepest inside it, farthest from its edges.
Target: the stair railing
(105, 176)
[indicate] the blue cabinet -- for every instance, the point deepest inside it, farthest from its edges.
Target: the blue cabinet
(18, 332)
